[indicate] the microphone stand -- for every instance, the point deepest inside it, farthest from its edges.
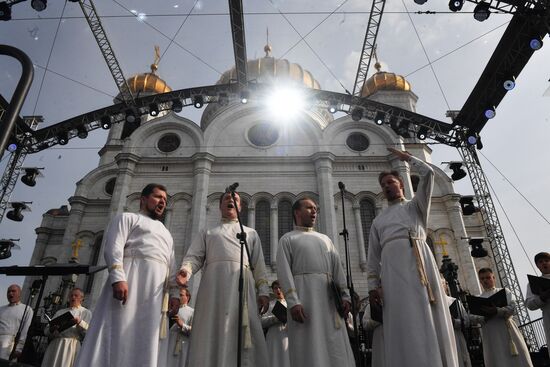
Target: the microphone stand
(244, 245)
(349, 278)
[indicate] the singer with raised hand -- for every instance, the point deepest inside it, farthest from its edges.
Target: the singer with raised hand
(403, 276)
(217, 251)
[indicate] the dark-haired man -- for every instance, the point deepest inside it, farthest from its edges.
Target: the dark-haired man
(541, 301)
(14, 317)
(403, 276)
(130, 321)
(307, 263)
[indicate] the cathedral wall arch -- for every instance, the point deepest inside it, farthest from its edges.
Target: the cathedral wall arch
(93, 184)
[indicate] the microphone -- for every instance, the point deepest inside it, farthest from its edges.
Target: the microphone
(232, 188)
(341, 186)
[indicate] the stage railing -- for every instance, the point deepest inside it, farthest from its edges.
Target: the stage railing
(540, 337)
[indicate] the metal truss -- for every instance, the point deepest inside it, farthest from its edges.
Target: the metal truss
(89, 10)
(239, 43)
(514, 6)
(368, 45)
(501, 255)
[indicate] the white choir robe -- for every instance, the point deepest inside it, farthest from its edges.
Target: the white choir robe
(499, 332)
(215, 322)
(276, 338)
(305, 261)
(138, 250)
(377, 345)
(416, 332)
(64, 347)
(10, 319)
(533, 302)
(178, 343)
(463, 321)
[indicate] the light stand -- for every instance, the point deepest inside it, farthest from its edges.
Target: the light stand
(349, 278)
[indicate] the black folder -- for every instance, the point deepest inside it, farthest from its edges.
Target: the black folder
(279, 310)
(498, 300)
(538, 284)
(63, 322)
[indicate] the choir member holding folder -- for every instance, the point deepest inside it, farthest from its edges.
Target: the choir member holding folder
(538, 290)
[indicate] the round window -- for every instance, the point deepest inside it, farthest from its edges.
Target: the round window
(110, 186)
(263, 134)
(168, 143)
(357, 142)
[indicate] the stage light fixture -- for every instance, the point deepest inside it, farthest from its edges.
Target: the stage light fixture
(106, 122)
(198, 101)
(39, 5)
(285, 103)
(332, 108)
(5, 11)
(154, 109)
(422, 133)
(490, 112)
(467, 205)
(481, 12)
(379, 118)
(177, 106)
(456, 5)
(30, 176)
(12, 147)
(6, 246)
(223, 100)
(477, 247)
(420, 2)
(357, 114)
(63, 138)
(81, 132)
(16, 213)
(458, 171)
(536, 43)
(245, 95)
(131, 116)
(509, 83)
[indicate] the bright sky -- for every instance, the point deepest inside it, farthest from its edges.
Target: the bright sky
(77, 80)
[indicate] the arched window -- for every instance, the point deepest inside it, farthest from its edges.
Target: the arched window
(94, 260)
(244, 212)
(367, 216)
(263, 227)
(285, 217)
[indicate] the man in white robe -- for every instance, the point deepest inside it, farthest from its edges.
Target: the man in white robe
(64, 345)
(277, 335)
(542, 301)
(503, 344)
(215, 322)
(10, 323)
(178, 343)
(307, 262)
(404, 278)
(130, 318)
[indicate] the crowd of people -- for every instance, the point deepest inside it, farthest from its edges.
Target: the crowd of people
(142, 317)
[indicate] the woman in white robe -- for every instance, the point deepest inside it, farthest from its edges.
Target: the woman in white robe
(277, 336)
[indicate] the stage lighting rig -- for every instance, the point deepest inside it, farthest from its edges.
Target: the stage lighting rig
(379, 118)
(106, 122)
(357, 114)
(198, 101)
(17, 208)
(177, 106)
(82, 132)
(5, 247)
(422, 133)
(31, 173)
(154, 109)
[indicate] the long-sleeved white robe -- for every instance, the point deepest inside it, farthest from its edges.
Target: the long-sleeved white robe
(377, 345)
(215, 322)
(10, 319)
(460, 323)
(138, 250)
(276, 338)
(178, 343)
(64, 348)
(306, 260)
(416, 333)
(499, 332)
(533, 302)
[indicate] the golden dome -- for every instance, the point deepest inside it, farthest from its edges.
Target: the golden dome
(383, 80)
(149, 82)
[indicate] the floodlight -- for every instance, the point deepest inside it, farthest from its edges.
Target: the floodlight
(63, 138)
(30, 176)
(458, 171)
(6, 246)
(477, 248)
(177, 106)
(490, 112)
(509, 83)
(39, 5)
(379, 118)
(536, 43)
(456, 5)
(357, 114)
(223, 100)
(15, 214)
(481, 12)
(422, 133)
(245, 95)
(467, 205)
(106, 122)
(332, 108)
(12, 147)
(285, 102)
(420, 2)
(198, 101)
(82, 133)
(154, 109)
(5, 11)
(131, 117)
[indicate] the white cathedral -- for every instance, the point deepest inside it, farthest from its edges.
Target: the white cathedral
(274, 165)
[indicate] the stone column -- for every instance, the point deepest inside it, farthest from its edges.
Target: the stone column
(360, 236)
(323, 168)
(202, 167)
(274, 224)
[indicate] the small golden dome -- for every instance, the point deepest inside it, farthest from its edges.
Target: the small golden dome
(149, 82)
(383, 80)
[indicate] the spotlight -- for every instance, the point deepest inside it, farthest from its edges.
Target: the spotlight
(106, 122)
(477, 247)
(467, 205)
(63, 138)
(481, 12)
(5, 11)
(535, 43)
(177, 106)
(332, 108)
(6, 246)
(82, 133)
(154, 109)
(131, 116)
(400, 127)
(245, 95)
(379, 118)
(198, 101)
(471, 139)
(39, 5)
(357, 114)
(30, 176)
(420, 2)
(285, 103)
(458, 171)
(12, 147)
(15, 214)
(223, 100)
(490, 112)
(509, 84)
(456, 5)
(422, 133)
